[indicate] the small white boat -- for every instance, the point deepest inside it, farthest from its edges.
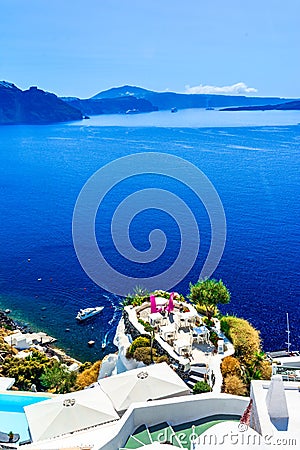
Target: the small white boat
(88, 312)
(103, 345)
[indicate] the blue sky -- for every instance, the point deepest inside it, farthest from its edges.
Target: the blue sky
(82, 47)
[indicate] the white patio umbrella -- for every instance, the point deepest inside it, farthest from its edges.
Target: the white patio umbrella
(69, 412)
(148, 383)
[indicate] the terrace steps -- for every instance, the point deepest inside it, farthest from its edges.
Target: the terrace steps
(144, 435)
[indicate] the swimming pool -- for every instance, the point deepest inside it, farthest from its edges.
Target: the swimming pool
(12, 415)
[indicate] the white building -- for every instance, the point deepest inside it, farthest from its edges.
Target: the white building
(24, 341)
(275, 411)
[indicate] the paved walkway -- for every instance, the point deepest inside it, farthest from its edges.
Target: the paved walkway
(215, 363)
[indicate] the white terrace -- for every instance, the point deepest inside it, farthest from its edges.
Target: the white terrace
(181, 332)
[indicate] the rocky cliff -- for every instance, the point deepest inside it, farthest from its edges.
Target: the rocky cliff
(33, 106)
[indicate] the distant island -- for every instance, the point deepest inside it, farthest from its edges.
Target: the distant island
(286, 106)
(169, 100)
(35, 106)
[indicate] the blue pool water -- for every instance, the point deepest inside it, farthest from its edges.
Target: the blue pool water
(253, 162)
(12, 415)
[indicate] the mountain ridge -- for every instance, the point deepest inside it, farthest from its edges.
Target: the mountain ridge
(33, 106)
(286, 106)
(169, 100)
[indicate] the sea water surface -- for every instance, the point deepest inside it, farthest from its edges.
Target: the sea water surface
(252, 159)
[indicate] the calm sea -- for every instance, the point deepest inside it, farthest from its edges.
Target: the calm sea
(251, 158)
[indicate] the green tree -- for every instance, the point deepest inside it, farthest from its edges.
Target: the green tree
(149, 329)
(26, 371)
(58, 379)
(208, 294)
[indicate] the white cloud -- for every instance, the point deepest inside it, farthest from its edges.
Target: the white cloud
(234, 89)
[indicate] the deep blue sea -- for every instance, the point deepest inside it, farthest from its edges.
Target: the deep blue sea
(252, 159)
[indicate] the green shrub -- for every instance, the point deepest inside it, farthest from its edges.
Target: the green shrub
(224, 325)
(144, 354)
(57, 379)
(202, 310)
(138, 342)
(208, 322)
(213, 337)
(166, 294)
(26, 371)
(244, 337)
(139, 296)
(200, 387)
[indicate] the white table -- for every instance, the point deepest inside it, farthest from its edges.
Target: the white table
(168, 332)
(182, 347)
(155, 318)
(186, 318)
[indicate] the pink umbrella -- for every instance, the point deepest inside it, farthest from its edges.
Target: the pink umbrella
(170, 306)
(153, 304)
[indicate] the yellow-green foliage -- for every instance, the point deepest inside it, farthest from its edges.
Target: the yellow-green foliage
(249, 360)
(5, 348)
(265, 369)
(230, 366)
(137, 343)
(26, 371)
(144, 354)
(234, 385)
(244, 337)
(88, 376)
(203, 311)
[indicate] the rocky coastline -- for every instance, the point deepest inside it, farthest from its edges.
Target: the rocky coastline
(13, 326)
